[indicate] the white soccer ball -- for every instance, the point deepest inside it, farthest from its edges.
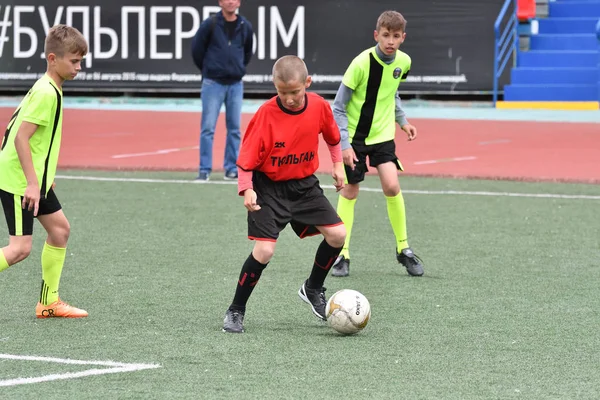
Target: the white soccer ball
(348, 311)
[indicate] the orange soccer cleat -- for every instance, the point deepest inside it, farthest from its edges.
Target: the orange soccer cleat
(59, 309)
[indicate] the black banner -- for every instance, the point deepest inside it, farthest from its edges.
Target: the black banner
(145, 45)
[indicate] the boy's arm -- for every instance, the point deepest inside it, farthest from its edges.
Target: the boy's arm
(342, 98)
(251, 153)
(400, 114)
(25, 132)
(31, 198)
(410, 130)
(244, 181)
(331, 134)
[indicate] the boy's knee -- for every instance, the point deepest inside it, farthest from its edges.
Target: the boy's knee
(263, 251)
(337, 236)
(23, 252)
(391, 190)
(350, 191)
(59, 236)
(17, 252)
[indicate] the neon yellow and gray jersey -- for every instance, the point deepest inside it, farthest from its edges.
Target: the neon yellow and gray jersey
(41, 106)
(371, 110)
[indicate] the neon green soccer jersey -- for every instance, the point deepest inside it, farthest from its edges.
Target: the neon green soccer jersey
(41, 106)
(371, 110)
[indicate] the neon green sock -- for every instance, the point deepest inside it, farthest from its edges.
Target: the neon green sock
(397, 216)
(53, 259)
(3, 262)
(345, 210)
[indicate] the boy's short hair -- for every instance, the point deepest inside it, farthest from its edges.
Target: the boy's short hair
(289, 68)
(392, 20)
(63, 39)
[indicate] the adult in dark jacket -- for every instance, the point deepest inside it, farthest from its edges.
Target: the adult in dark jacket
(221, 49)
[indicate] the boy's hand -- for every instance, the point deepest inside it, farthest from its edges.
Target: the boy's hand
(53, 185)
(411, 131)
(349, 157)
(250, 200)
(339, 175)
(31, 198)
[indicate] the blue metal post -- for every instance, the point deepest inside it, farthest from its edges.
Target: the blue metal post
(506, 42)
(516, 34)
(598, 36)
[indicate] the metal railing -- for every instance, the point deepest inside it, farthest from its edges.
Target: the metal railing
(506, 41)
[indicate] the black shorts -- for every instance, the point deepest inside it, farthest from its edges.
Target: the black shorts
(378, 154)
(300, 202)
(20, 221)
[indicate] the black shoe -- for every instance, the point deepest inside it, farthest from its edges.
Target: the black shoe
(316, 299)
(413, 264)
(203, 176)
(231, 175)
(341, 267)
(234, 321)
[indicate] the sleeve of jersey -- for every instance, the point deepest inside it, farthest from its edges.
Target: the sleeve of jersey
(244, 181)
(331, 133)
(40, 108)
(406, 70)
(252, 149)
(353, 75)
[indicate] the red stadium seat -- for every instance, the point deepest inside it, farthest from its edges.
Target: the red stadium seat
(525, 10)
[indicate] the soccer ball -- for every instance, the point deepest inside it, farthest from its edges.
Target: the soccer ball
(348, 311)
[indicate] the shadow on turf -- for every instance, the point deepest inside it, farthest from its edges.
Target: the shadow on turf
(293, 328)
(395, 274)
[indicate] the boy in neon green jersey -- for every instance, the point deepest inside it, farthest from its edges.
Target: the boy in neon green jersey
(28, 160)
(366, 109)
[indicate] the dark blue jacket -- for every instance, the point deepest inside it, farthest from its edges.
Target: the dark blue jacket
(218, 57)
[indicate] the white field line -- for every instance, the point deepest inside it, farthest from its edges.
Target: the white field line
(498, 141)
(112, 368)
(363, 189)
(156, 152)
(445, 160)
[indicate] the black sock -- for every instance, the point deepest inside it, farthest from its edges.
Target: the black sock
(324, 259)
(249, 276)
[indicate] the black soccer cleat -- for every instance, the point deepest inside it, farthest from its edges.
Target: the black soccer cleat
(234, 321)
(413, 264)
(341, 267)
(316, 299)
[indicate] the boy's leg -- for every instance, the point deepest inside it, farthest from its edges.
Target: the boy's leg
(54, 252)
(250, 274)
(327, 253)
(213, 95)
(388, 175)
(384, 159)
(314, 214)
(312, 290)
(20, 230)
(264, 226)
(3, 263)
(233, 117)
(345, 209)
(18, 249)
(251, 271)
(347, 201)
